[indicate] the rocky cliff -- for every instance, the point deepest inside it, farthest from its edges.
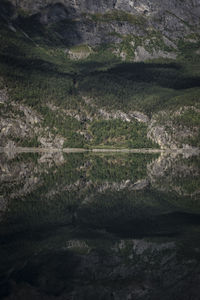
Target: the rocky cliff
(95, 22)
(185, 10)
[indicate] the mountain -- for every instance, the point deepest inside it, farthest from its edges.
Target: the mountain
(93, 73)
(152, 28)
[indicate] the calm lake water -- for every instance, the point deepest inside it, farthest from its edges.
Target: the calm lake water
(99, 226)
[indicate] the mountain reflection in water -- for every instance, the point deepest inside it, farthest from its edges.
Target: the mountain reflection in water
(85, 226)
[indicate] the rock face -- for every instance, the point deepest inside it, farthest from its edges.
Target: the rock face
(135, 6)
(93, 22)
(20, 123)
(168, 133)
(142, 54)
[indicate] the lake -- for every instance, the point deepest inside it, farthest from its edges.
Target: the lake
(122, 226)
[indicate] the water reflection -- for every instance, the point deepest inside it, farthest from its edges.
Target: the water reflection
(83, 226)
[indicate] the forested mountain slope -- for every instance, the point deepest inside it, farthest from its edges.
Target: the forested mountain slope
(93, 73)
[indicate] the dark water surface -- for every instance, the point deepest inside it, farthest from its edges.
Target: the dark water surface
(85, 226)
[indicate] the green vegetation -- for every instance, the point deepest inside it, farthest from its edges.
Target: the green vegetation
(80, 48)
(123, 134)
(147, 87)
(26, 142)
(189, 118)
(119, 16)
(37, 72)
(67, 127)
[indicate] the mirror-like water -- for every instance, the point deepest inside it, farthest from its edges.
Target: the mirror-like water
(99, 226)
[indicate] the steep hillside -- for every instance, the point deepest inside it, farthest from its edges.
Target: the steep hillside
(89, 73)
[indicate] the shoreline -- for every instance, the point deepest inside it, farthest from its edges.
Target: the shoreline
(96, 150)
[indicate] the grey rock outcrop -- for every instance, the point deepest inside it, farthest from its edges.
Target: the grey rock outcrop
(141, 54)
(20, 123)
(87, 22)
(165, 130)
